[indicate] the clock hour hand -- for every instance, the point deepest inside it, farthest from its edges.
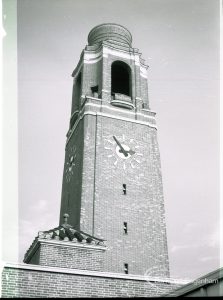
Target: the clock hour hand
(120, 146)
(131, 152)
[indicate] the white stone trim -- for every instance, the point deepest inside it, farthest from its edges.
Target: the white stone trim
(118, 109)
(77, 71)
(151, 117)
(117, 53)
(126, 55)
(72, 244)
(149, 110)
(93, 98)
(143, 75)
(74, 113)
(139, 98)
(126, 119)
(92, 61)
(137, 60)
(89, 55)
(93, 273)
(123, 102)
(107, 115)
(92, 57)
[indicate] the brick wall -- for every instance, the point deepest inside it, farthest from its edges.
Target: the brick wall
(40, 282)
(144, 247)
(88, 188)
(72, 181)
(91, 77)
(66, 255)
(103, 208)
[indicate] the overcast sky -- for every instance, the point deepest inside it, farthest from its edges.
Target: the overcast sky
(179, 39)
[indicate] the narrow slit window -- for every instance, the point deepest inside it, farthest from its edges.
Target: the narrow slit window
(124, 189)
(126, 268)
(125, 228)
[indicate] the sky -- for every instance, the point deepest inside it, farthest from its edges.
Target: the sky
(179, 39)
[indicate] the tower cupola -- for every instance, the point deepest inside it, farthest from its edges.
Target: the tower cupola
(109, 31)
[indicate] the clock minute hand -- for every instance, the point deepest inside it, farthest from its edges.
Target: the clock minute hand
(120, 146)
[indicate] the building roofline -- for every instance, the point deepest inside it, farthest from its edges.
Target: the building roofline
(208, 279)
(80, 272)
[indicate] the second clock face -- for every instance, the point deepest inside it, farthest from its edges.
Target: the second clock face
(123, 151)
(71, 163)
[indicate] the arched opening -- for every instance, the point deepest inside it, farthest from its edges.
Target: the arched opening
(76, 100)
(78, 90)
(121, 78)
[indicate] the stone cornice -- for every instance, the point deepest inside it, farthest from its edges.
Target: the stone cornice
(72, 244)
(39, 268)
(94, 55)
(83, 113)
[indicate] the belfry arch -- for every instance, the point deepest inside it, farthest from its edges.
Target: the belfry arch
(121, 78)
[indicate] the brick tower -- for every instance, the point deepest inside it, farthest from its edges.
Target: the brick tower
(112, 183)
(111, 239)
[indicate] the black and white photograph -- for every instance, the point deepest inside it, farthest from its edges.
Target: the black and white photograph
(110, 149)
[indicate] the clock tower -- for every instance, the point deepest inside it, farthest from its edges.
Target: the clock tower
(112, 183)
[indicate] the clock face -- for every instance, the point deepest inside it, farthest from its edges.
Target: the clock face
(123, 151)
(71, 162)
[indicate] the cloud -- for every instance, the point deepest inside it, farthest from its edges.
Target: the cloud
(211, 240)
(201, 254)
(207, 258)
(214, 239)
(40, 218)
(191, 226)
(177, 248)
(40, 205)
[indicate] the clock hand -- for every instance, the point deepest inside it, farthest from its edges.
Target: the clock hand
(131, 152)
(122, 150)
(120, 146)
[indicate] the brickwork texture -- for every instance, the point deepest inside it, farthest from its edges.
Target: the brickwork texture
(40, 284)
(65, 255)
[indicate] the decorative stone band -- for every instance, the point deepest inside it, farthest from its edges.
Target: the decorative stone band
(93, 273)
(75, 244)
(83, 113)
(151, 114)
(93, 56)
